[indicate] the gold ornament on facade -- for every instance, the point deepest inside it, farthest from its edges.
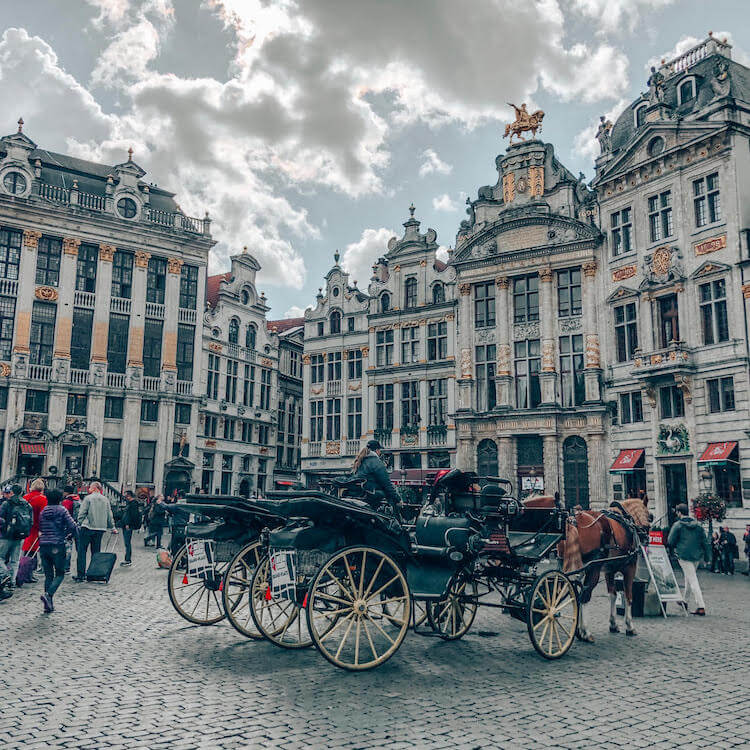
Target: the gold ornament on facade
(590, 268)
(509, 187)
(464, 289)
(5, 370)
(502, 282)
(746, 291)
(107, 252)
(333, 448)
(174, 265)
(31, 238)
(548, 356)
(214, 347)
(449, 316)
(545, 275)
(423, 263)
(46, 293)
(536, 181)
(661, 261)
(396, 268)
(142, 258)
(305, 359)
(593, 359)
(525, 122)
(365, 351)
(70, 246)
(626, 272)
(711, 246)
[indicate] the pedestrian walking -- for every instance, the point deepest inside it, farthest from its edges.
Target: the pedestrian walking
(38, 501)
(746, 539)
(16, 519)
(728, 545)
(688, 540)
(717, 564)
(55, 524)
(94, 518)
(130, 521)
(69, 502)
(157, 520)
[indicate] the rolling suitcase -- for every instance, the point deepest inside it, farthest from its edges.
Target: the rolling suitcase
(102, 564)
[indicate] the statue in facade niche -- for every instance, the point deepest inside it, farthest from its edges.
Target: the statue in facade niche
(604, 135)
(655, 87)
(720, 83)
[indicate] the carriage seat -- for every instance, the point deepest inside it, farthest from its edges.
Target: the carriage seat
(348, 483)
(442, 531)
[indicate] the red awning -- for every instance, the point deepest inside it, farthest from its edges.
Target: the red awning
(627, 460)
(717, 453)
(33, 449)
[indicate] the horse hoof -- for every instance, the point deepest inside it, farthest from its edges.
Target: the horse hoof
(614, 629)
(630, 632)
(586, 637)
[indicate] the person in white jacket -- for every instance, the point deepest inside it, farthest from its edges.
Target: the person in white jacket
(94, 517)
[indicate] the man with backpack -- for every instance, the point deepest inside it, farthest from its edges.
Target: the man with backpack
(16, 519)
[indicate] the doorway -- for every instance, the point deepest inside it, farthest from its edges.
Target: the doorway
(669, 328)
(675, 485)
(576, 472)
(176, 480)
(30, 466)
(74, 460)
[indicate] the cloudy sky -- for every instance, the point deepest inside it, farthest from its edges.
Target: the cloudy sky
(305, 127)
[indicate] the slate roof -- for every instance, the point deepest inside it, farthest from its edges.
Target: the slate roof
(284, 325)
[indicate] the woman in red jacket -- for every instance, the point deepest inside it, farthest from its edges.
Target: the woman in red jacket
(38, 502)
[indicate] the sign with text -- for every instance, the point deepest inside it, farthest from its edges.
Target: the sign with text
(661, 573)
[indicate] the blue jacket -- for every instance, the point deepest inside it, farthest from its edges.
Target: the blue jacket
(55, 524)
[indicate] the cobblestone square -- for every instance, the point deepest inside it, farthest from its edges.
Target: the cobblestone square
(115, 667)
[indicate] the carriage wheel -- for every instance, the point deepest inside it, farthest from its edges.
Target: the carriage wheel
(552, 614)
(196, 599)
(420, 613)
(352, 624)
(452, 616)
(280, 620)
(236, 592)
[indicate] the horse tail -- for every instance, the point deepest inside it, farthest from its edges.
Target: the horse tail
(572, 559)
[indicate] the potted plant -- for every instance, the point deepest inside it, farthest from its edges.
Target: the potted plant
(708, 506)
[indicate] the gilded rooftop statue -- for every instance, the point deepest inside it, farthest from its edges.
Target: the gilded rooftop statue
(524, 122)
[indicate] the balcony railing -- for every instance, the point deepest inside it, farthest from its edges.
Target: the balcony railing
(185, 315)
(383, 436)
(150, 383)
(119, 305)
(39, 372)
(315, 449)
(155, 310)
(91, 201)
(116, 380)
(54, 193)
(86, 300)
(184, 387)
(333, 388)
(437, 434)
(675, 358)
(79, 377)
(352, 447)
(8, 287)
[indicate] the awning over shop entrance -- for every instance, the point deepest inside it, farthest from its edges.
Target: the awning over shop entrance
(627, 461)
(717, 453)
(33, 449)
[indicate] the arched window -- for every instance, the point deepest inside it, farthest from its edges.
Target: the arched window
(640, 115)
(234, 331)
(576, 472)
(385, 302)
(410, 293)
(251, 335)
(438, 294)
(487, 458)
(686, 92)
(335, 321)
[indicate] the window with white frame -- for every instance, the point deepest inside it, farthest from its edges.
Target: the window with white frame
(437, 396)
(660, 216)
(316, 421)
(333, 419)
(384, 406)
(437, 341)
(410, 345)
(672, 402)
(212, 384)
(707, 200)
(354, 418)
(621, 229)
(573, 391)
(631, 407)
(569, 292)
(713, 305)
(384, 348)
(686, 91)
(334, 366)
(626, 331)
(410, 404)
(720, 394)
(354, 364)
(485, 370)
(317, 368)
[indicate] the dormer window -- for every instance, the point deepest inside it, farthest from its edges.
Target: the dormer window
(126, 208)
(251, 335)
(385, 302)
(14, 183)
(234, 331)
(686, 91)
(335, 322)
(640, 115)
(410, 293)
(438, 294)
(244, 296)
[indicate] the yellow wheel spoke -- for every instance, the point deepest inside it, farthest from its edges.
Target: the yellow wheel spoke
(362, 577)
(336, 626)
(349, 573)
(385, 635)
(383, 587)
(343, 640)
(374, 578)
(356, 635)
(369, 639)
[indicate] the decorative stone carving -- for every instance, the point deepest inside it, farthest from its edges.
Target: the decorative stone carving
(509, 187)
(503, 359)
(655, 87)
(31, 239)
(70, 246)
(536, 181)
(333, 448)
(673, 439)
(305, 359)
(650, 393)
(316, 391)
(502, 282)
(466, 363)
(720, 83)
(214, 347)
(663, 265)
(19, 365)
(626, 272)
(174, 265)
(746, 291)
(545, 275)
(5, 370)
(604, 135)
(46, 293)
(464, 289)
(593, 359)
(365, 350)
(98, 374)
(142, 258)
(589, 269)
(548, 356)
(484, 336)
(107, 253)
(524, 122)
(526, 331)
(60, 370)
(568, 325)
(711, 246)
(684, 383)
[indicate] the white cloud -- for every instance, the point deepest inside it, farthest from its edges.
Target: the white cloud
(128, 55)
(433, 163)
(294, 312)
(444, 203)
(687, 42)
(615, 15)
(360, 256)
(442, 253)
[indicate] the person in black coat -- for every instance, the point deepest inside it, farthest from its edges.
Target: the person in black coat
(157, 520)
(728, 544)
(129, 522)
(369, 466)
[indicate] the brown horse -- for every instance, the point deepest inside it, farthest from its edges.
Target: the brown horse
(600, 535)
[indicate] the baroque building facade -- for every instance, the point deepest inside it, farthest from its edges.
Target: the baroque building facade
(673, 182)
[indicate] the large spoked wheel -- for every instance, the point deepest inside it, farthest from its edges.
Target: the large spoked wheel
(552, 614)
(452, 616)
(235, 596)
(280, 620)
(196, 598)
(359, 608)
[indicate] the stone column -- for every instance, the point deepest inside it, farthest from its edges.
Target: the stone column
(552, 481)
(169, 329)
(465, 363)
(547, 319)
(592, 359)
(450, 319)
(130, 432)
(65, 302)
(305, 404)
(598, 475)
(466, 455)
(101, 305)
(25, 296)
(645, 314)
(368, 414)
(164, 440)
(137, 317)
(506, 457)
(398, 291)
(424, 413)
(503, 377)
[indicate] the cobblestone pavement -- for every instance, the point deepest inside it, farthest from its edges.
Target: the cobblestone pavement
(116, 667)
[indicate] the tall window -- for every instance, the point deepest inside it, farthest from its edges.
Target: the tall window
(438, 294)
(80, 338)
(660, 216)
(207, 477)
(156, 280)
(209, 425)
(687, 91)
(317, 368)
(409, 345)
(316, 421)
(189, 286)
(248, 386)
(410, 404)
(640, 115)
(526, 298)
(265, 388)
(720, 394)
(437, 341)
(234, 331)
(333, 419)
(384, 348)
(231, 384)
(149, 410)
(110, 466)
(354, 418)
(669, 320)
(48, 255)
(713, 304)
(88, 257)
(572, 387)
(77, 405)
(484, 305)
(528, 365)
(385, 302)
(114, 407)
(354, 364)
(7, 317)
(621, 224)
(251, 336)
(122, 274)
(37, 401)
(212, 383)
(10, 252)
(707, 200)
(335, 322)
(437, 398)
(384, 406)
(117, 342)
(672, 402)
(42, 336)
(229, 426)
(152, 334)
(569, 292)
(626, 332)
(182, 413)
(227, 461)
(321, 332)
(334, 365)
(631, 407)
(185, 351)
(485, 357)
(144, 471)
(410, 293)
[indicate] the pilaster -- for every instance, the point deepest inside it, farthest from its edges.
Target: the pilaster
(503, 379)
(65, 299)
(25, 295)
(465, 364)
(551, 465)
(102, 304)
(547, 317)
(592, 357)
(138, 310)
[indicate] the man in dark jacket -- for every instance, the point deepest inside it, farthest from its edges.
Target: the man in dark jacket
(16, 517)
(55, 524)
(688, 539)
(728, 547)
(372, 469)
(130, 521)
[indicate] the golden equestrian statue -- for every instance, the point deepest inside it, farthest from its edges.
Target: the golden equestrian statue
(524, 122)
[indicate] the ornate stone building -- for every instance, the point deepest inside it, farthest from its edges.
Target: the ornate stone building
(528, 378)
(102, 278)
(673, 182)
